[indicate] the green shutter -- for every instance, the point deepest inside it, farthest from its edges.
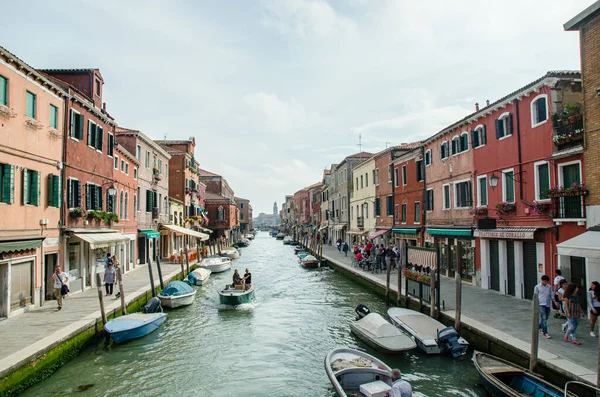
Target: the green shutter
(30, 105)
(510, 187)
(56, 191)
(53, 116)
(3, 91)
(36, 187)
(90, 137)
(79, 128)
(483, 191)
(88, 196)
(25, 186)
(8, 183)
(99, 137)
(543, 180)
(50, 189)
(99, 197)
(76, 193)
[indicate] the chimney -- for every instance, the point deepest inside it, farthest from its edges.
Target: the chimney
(487, 102)
(104, 106)
(476, 107)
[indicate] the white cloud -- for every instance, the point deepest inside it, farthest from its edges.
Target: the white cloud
(281, 117)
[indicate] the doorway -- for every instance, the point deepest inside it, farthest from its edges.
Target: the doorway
(578, 277)
(51, 260)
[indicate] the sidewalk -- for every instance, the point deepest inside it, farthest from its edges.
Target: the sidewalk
(27, 336)
(503, 317)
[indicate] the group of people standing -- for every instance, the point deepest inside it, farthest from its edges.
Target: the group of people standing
(376, 254)
(566, 298)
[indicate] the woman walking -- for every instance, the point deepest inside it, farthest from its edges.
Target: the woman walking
(574, 312)
(594, 305)
(109, 279)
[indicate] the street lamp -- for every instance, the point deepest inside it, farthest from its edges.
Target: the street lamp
(111, 190)
(494, 181)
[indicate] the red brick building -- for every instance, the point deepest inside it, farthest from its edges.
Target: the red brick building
(221, 207)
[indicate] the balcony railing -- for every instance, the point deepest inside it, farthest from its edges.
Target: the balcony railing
(360, 221)
(568, 134)
(569, 207)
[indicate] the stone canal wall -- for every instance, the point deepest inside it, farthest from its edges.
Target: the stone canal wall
(48, 352)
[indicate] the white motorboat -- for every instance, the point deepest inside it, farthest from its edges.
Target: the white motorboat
(230, 252)
(309, 261)
(176, 294)
(198, 276)
(378, 333)
(288, 240)
(431, 336)
(216, 264)
(250, 236)
(355, 373)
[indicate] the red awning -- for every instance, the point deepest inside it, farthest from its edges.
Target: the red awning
(378, 233)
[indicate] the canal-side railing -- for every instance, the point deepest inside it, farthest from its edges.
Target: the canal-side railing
(420, 263)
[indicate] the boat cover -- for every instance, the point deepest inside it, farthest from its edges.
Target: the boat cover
(131, 321)
(198, 274)
(176, 288)
(309, 258)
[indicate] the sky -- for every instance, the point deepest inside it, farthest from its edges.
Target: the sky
(276, 91)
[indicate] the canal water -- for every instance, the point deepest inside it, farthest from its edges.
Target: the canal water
(274, 346)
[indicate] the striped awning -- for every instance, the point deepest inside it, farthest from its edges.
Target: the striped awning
(378, 233)
(422, 257)
(357, 232)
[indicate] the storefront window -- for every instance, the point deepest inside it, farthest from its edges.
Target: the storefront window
(20, 284)
(74, 260)
(443, 258)
(467, 260)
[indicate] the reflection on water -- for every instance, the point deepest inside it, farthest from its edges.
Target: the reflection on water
(274, 346)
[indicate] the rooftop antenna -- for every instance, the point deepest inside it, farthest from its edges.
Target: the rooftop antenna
(165, 136)
(359, 143)
(386, 144)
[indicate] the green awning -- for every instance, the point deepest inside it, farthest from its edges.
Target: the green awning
(405, 230)
(200, 209)
(150, 233)
(20, 245)
(450, 232)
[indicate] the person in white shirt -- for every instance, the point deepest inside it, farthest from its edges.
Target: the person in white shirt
(594, 305)
(544, 292)
(60, 278)
(400, 387)
(558, 277)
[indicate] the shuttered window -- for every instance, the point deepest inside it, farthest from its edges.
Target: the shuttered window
(504, 126)
(53, 117)
(93, 197)
(543, 180)
(389, 206)
(95, 135)
(446, 203)
(110, 149)
(31, 187)
(419, 164)
(444, 150)
(482, 189)
(7, 183)
(30, 100)
(404, 178)
(3, 91)
(74, 194)
(403, 219)
(149, 197)
(377, 207)
(54, 190)
(429, 200)
(509, 187)
(417, 212)
(463, 194)
(76, 125)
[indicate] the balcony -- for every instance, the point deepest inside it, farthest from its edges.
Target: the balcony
(569, 207)
(567, 129)
(156, 175)
(360, 222)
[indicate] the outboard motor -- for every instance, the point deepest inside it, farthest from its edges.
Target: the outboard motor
(448, 341)
(192, 279)
(153, 306)
(361, 310)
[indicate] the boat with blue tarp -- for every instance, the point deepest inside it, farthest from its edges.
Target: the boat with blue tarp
(133, 326)
(177, 293)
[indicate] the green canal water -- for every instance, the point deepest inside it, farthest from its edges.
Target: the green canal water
(274, 346)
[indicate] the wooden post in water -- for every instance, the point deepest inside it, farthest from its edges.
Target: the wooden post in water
(387, 284)
(399, 262)
(432, 313)
(535, 333)
(101, 299)
(160, 277)
(187, 259)
(458, 301)
(151, 277)
(121, 291)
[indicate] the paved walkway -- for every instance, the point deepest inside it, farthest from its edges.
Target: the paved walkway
(26, 336)
(504, 317)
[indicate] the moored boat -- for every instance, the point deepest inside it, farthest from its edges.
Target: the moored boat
(198, 276)
(176, 294)
(236, 296)
(216, 264)
(505, 379)
(244, 242)
(355, 373)
(133, 326)
(431, 336)
(280, 236)
(310, 261)
(287, 239)
(378, 333)
(230, 252)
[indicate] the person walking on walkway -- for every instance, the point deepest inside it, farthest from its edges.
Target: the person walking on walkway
(345, 249)
(109, 279)
(60, 278)
(574, 312)
(544, 293)
(400, 387)
(556, 285)
(594, 305)
(339, 245)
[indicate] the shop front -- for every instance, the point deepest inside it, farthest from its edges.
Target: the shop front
(457, 250)
(148, 245)
(381, 236)
(357, 236)
(410, 235)
(512, 260)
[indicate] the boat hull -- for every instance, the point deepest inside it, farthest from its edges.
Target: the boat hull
(310, 265)
(177, 301)
(217, 268)
(236, 297)
(391, 345)
(136, 332)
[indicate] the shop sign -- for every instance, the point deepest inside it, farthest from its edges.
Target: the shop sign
(50, 242)
(509, 235)
(429, 239)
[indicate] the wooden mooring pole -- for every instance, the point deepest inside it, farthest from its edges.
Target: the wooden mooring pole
(387, 284)
(151, 277)
(160, 277)
(399, 262)
(121, 291)
(187, 259)
(458, 301)
(101, 299)
(535, 333)
(432, 294)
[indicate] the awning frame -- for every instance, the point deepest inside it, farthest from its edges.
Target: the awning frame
(189, 232)
(102, 240)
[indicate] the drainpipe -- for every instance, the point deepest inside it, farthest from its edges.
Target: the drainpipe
(518, 122)
(424, 196)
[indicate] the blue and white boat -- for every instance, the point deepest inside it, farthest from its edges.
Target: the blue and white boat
(133, 326)
(177, 293)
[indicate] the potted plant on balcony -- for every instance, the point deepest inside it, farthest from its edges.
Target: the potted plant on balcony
(504, 207)
(479, 211)
(75, 212)
(540, 208)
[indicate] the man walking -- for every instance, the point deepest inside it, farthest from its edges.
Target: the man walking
(544, 293)
(400, 387)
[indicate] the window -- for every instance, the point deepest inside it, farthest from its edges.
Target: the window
(361, 182)
(419, 164)
(428, 158)
(367, 210)
(389, 206)
(126, 205)
(356, 186)
(54, 191)
(367, 180)
(508, 186)
(463, 142)
(76, 127)
(30, 105)
(149, 198)
(7, 183)
(455, 145)
(478, 136)
(396, 180)
(110, 205)
(116, 160)
(138, 153)
(377, 206)
(110, 150)
(542, 180)
(462, 194)
(390, 174)
(95, 135)
(74, 193)
(166, 169)
(122, 205)
(160, 166)
(417, 212)
(93, 199)
(154, 160)
(396, 216)
(160, 203)
(122, 165)
(97, 92)
(539, 110)
(444, 150)
(403, 218)
(3, 91)
(429, 200)
(31, 187)
(147, 159)
(404, 181)
(482, 200)
(127, 168)
(376, 177)
(504, 125)
(139, 202)
(135, 206)
(53, 117)
(446, 198)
